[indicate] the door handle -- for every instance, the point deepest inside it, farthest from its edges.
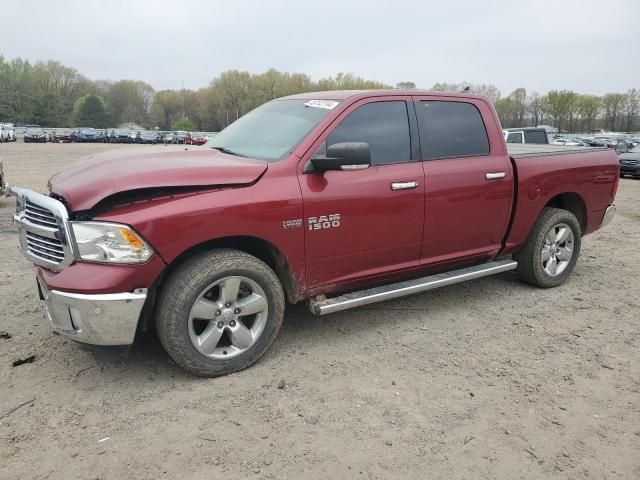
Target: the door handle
(494, 175)
(404, 185)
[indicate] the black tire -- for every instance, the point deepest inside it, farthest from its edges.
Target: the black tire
(530, 265)
(184, 287)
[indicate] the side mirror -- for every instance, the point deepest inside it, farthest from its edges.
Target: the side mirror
(344, 156)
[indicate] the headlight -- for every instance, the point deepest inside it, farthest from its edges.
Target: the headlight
(110, 243)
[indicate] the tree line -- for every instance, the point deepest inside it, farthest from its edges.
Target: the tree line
(564, 109)
(51, 94)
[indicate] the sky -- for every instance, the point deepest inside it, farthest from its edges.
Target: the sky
(587, 46)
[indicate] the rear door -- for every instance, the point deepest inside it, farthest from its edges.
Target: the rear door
(363, 223)
(468, 179)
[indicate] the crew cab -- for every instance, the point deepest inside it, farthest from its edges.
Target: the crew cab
(339, 199)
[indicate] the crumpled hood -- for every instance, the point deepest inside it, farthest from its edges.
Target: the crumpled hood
(96, 177)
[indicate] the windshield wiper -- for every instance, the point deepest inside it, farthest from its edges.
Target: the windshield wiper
(227, 151)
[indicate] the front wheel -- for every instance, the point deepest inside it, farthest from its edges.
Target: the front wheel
(219, 312)
(551, 250)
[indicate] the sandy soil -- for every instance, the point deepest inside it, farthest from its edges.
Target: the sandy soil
(489, 379)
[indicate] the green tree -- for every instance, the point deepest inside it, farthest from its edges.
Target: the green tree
(505, 107)
(612, 106)
(348, 81)
(165, 109)
(588, 107)
(91, 112)
(519, 98)
(487, 90)
(130, 101)
(535, 107)
(631, 107)
(405, 85)
(183, 124)
(560, 106)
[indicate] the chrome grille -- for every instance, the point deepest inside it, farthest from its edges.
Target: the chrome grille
(44, 229)
(39, 216)
(45, 248)
(629, 162)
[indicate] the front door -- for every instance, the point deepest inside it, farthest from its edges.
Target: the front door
(362, 223)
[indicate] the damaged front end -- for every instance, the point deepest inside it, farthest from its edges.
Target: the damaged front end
(55, 243)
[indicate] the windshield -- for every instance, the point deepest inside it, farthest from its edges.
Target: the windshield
(34, 130)
(635, 149)
(272, 130)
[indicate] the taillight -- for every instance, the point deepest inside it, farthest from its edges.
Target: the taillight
(615, 183)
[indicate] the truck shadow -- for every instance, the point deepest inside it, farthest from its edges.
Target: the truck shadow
(304, 332)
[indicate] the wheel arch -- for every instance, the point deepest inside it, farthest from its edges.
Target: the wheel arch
(573, 203)
(255, 246)
(258, 247)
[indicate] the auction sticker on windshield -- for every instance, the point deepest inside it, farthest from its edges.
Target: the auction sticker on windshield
(328, 104)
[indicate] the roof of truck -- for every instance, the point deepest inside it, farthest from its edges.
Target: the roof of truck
(345, 94)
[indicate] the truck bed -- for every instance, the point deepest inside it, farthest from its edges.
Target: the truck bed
(523, 150)
(585, 175)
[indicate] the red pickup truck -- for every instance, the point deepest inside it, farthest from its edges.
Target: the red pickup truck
(337, 198)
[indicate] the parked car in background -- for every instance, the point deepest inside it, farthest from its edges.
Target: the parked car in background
(630, 162)
(87, 135)
(62, 136)
(570, 142)
(623, 146)
(35, 135)
(147, 136)
(197, 138)
(169, 137)
(590, 141)
(180, 136)
(606, 141)
(525, 135)
(120, 135)
(7, 132)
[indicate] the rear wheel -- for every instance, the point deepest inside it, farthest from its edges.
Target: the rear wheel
(551, 250)
(219, 312)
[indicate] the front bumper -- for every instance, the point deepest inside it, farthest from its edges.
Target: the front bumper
(609, 213)
(107, 319)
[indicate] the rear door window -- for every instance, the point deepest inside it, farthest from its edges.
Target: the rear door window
(451, 129)
(514, 137)
(383, 125)
(535, 137)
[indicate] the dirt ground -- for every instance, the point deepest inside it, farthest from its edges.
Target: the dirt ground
(488, 379)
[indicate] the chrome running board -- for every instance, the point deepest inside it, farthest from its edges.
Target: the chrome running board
(324, 306)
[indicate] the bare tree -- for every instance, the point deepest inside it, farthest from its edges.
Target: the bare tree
(631, 107)
(535, 106)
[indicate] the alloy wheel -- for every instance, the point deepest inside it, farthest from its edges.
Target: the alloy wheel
(228, 317)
